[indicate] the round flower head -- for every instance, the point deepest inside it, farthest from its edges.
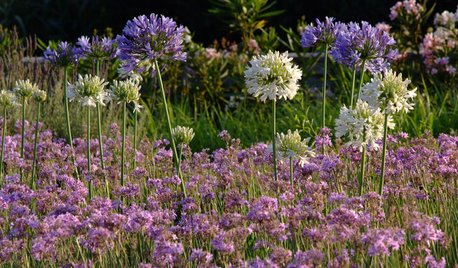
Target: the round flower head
(183, 135)
(65, 55)
(96, 47)
(363, 125)
(325, 32)
(149, 38)
(389, 92)
(291, 145)
(272, 76)
(364, 42)
(126, 90)
(25, 88)
(7, 98)
(39, 95)
(88, 89)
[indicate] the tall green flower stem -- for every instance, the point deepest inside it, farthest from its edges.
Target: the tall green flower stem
(3, 142)
(23, 132)
(99, 128)
(174, 148)
(67, 116)
(89, 152)
(32, 184)
(274, 131)
(361, 78)
(361, 173)
(291, 170)
(135, 139)
(123, 145)
(353, 82)
(382, 172)
(323, 115)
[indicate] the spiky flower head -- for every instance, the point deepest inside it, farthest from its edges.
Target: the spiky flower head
(183, 135)
(126, 91)
(25, 88)
(324, 32)
(65, 55)
(389, 92)
(7, 98)
(292, 145)
(148, 38)
(272, 76)
(89, 90)
(96, 47)
(363, 42)
(39, 95)
(363, 125)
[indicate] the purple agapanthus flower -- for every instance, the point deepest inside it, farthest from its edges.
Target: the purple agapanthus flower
(96, 47)
(363, 42)
(324, 32)
(65, 55)
(145, 39)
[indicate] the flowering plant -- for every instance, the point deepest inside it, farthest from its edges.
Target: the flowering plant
(88, 90)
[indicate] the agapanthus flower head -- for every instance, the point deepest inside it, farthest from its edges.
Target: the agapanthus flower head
(64, 56)
(363, 42)
(363, 125)
(97, 47)
(149, 38)
(89, 90)
(39, 95)
(183, 135)
(7, 98)
(292, 145)
(272, 76)
(324, 32)
(126, 91)
(389, 92)
(25, 88)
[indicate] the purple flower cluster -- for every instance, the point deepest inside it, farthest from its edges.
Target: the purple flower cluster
(145, 39)
(65, 55)
(96, 47)
(324, 32)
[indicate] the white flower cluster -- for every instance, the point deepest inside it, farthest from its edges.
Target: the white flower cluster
(292, 145)
(25, 88)
(7, 98)
(363, 125)
(272, 76)
(89, 90)
(39, 95)
(446, 19)
(183, 135)
(389, 93)
(126, 91)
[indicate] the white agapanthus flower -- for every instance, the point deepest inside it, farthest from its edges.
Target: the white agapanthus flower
(183, 135)
(89, 90)
(272, 76)
(292, 145)
(389, 91)
(7, 98)
(25, 88)
(39, 95)
(126, 91)
(363, 125)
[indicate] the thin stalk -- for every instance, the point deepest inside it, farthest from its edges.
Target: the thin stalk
(22, 133)
(99, 127)
(361, 78)
(3, 142)
(67, 116)
(274, 131)
(32, 184)
(382, 172)
(353, 82)
(323, 115)
(291, 170)
(174, 148)
(135, 139)
(123, 146)
(89, 151)
(361, 173)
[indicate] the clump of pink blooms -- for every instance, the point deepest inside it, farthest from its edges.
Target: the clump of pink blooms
(406, 8)
(235, 213)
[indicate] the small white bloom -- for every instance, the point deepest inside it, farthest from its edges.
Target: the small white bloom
(272, 76)
(25, 88)
(126, 90)
(7, 98)
(183, 135)
(363, 125)
(292, 145)
(88, 89)
(389, 92)
(39, 95)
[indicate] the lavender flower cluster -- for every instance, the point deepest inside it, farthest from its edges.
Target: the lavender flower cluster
(235, 213)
